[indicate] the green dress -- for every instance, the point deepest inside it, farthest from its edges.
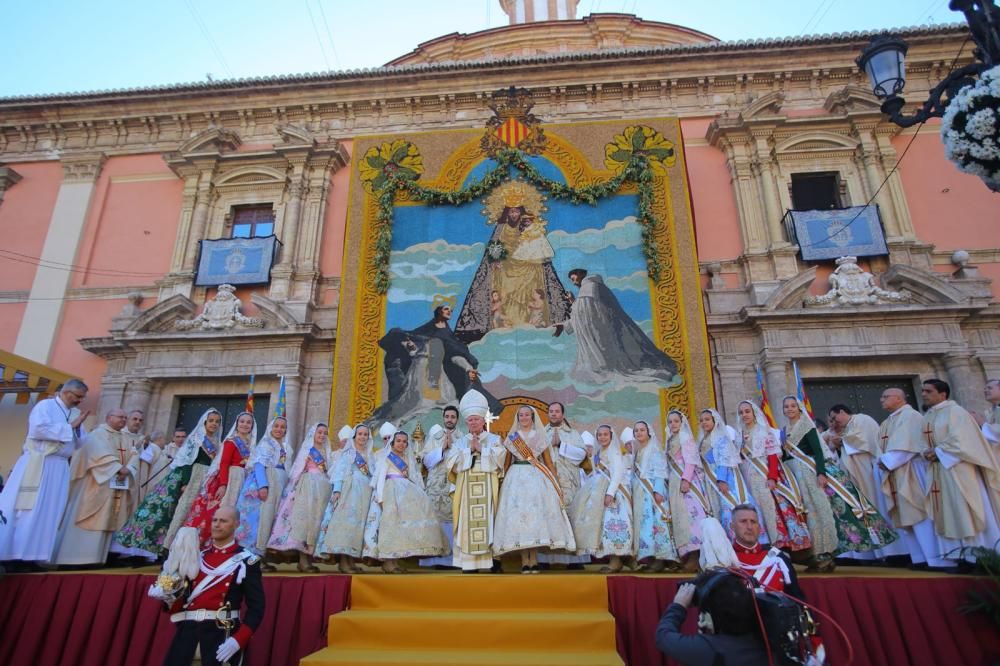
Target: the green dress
(856, 533)
(147, 528)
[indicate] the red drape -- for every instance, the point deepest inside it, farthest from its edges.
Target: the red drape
(107, 620)
(888, 620)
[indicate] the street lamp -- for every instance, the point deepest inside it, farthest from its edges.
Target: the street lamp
(884, 63)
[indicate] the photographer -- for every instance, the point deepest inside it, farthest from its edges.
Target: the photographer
(728, 627)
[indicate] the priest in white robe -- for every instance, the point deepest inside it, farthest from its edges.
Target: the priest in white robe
(570, 457)
(34, 498)
(103, 494)
(964, 494)
(990, 424)
(475, 465)
(905, 479)
(437, 446)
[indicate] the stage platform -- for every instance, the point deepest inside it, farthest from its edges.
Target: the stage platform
(103, 618)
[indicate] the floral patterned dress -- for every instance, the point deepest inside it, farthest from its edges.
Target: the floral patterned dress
(599, 530)
(147, 529)
(234, 454)
(267, 470)
(651, 522)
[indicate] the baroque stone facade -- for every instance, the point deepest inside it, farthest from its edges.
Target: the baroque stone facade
(766, 109)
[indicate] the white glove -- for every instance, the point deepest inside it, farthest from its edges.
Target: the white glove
(227, 650)
(156, 592)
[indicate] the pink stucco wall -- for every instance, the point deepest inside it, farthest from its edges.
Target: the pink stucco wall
(716, 220)
(10, 322)
(332, 243)
(24, 221)
(131, 225)
(83, 319)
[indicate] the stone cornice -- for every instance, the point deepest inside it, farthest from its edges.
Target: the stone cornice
(689, 81)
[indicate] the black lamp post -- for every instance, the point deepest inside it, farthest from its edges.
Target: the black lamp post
(883, 62)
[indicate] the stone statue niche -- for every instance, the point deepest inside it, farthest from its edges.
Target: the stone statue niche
(851, 285)
(220, 313)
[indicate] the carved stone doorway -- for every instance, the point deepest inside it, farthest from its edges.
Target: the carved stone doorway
(191, 408)
(861, 395)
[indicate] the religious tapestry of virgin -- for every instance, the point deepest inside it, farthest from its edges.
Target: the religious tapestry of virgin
(532, 262)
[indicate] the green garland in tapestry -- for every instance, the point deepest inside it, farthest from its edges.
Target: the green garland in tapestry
(637, 155)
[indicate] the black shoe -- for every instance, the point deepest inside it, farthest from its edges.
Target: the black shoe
(536, 568)
(526, 570)
(574, 567)
(497, 567)
(470, 571)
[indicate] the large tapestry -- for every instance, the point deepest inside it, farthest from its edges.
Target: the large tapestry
(532, 262)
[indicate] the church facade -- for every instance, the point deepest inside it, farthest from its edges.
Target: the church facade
(106, 199)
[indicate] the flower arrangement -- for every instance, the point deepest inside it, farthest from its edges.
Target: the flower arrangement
(496, 251)
(970, 129)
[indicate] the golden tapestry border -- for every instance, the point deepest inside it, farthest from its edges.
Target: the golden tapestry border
(676, 301)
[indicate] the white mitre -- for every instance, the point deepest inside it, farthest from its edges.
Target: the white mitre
(627, 436)
(387, 430)
(474, 403)
(346, 433)
(436, 430)
(588, 440)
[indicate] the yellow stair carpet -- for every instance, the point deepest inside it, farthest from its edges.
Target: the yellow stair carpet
(480, 620)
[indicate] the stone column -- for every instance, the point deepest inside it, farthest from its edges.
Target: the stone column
(43, 313)
(966, 385)
(293, 398)
(112, 397)
(290, 226)
(199, 220)
(772, 202)
(138, 394)
(776, 376)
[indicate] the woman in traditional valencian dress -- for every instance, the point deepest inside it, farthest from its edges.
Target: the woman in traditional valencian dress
(306, 494)
(725, 479)
(601, 511)
(654, 545)
(225, 477)
(771, 482)
(530, 512)
(265, 481)
(343, 527)
(841, 518)
(687, 491)
(147, 530)
(405, 524)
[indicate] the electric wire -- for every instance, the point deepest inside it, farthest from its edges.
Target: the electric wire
(319, 40)
(329, 33)
(208, 37)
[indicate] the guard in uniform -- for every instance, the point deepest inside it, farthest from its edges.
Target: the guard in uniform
(207, 609)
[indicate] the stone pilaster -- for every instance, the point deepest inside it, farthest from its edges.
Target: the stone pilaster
(8, 178)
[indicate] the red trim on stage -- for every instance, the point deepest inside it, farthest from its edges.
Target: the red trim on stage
(106, 619)
(888, 620)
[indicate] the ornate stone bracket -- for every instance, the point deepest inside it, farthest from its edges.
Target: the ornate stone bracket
(220, 313)
(8, 178)
(850, 285)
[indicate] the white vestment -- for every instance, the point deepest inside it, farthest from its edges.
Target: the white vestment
(901, 437)
(475, 500)
(30, 534)
(439, 490)
(569, 456)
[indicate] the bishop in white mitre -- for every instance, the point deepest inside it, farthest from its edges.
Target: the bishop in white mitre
(103, 494)
(475, 465)
(905, 479)
(34, 498)
(964, 495)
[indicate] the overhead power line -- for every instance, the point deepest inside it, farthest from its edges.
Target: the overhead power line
(208, 37)
(319, 40)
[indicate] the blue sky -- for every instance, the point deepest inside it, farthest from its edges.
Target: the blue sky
(53, 46)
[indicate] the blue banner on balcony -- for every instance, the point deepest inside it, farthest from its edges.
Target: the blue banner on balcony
(236, 261)
(830, 234)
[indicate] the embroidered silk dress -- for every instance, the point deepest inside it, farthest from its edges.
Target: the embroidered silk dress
(266, 469)
(530, 511)
(228, 473)
(651, 521)
(721, 463)
(405, 522)
(599, 530)
(306, 495)
(784, 515)
(343, 525)
(148, 528)
(690, 508)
